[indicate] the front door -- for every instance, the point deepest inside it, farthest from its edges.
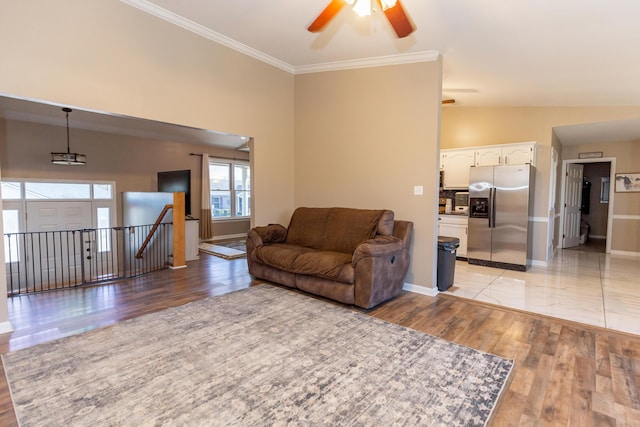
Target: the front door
(55, 257)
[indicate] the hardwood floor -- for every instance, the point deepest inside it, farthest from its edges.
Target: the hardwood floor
(565, 373)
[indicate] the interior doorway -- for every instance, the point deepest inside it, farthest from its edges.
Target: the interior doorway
(587, 204)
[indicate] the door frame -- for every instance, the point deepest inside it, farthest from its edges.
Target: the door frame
(563, 200)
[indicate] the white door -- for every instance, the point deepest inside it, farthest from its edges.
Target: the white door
(573, 200)
(55, 257)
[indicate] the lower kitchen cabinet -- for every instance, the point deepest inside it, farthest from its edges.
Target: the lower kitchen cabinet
(455, 226)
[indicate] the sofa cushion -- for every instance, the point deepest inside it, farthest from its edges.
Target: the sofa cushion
(302, 260)
(307, 227)
(333, 229)
(386, 223)
(279, 255)
(326, 264)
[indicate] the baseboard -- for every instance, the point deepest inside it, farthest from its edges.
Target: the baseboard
(432, 292)
(538, 263)
(6, 327)
(591, 236)
(227, 237)
(171, 267)
(626, 253)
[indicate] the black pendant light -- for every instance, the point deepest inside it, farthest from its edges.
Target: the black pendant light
(68, 158)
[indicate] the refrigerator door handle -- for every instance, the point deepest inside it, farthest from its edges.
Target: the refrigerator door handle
(492, 207)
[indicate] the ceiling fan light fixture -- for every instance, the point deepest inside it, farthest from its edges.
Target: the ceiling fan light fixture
(68, 158)
(392, 9)
(362, 7)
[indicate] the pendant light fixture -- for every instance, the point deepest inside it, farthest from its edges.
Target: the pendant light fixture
(68, 158)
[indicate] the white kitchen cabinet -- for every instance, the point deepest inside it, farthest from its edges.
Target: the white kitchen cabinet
(488, 156)
(455, 226)
(456, 163)
(519, 154)
(507, 154)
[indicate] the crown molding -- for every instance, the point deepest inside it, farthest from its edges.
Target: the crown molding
(205, 32)
(407, 58)
(159, 12)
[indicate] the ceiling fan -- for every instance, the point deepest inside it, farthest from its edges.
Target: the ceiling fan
(392, 9)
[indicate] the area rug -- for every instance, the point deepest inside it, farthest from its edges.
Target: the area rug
(222, 251)
(260, 356)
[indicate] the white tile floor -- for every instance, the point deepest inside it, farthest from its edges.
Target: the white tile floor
(588, 287)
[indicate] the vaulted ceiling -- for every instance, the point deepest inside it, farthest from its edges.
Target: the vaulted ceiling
(495, 53)
(506, 53)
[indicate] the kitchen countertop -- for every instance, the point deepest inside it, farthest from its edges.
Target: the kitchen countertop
(455, 214)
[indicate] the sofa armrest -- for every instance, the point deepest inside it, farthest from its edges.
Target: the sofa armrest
(381, 265)
(381, 246)
(272, 233)
(258, 236)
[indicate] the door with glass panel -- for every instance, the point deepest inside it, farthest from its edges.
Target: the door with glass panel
(101, 247)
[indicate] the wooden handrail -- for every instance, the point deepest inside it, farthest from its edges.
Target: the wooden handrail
(153, 230)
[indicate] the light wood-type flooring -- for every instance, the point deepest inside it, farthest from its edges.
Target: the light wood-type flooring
(565, 373)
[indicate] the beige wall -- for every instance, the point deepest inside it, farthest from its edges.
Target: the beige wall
(365, 138)
(132, 162)
(473, 126)
(104, 55)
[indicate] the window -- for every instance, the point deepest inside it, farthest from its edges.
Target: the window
(103, 216)
(57, 190)
(11, 224)
(102, 191)
(11, 190)
(230, 189)
(604, 189)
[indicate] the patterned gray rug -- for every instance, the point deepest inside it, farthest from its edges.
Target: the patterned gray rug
(261, 356)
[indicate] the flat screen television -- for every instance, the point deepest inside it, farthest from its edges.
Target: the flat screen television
(175, 181)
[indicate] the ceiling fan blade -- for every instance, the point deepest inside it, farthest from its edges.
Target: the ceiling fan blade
(399, 20)
(326, 15)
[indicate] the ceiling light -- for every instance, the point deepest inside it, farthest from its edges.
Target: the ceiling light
(362, 7)
(68, 158)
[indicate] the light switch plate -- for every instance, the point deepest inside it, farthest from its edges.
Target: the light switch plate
(418, 190)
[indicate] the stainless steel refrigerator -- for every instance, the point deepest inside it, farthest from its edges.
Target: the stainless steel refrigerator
(500, 202)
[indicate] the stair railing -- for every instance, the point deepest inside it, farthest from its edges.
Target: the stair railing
(140, 252)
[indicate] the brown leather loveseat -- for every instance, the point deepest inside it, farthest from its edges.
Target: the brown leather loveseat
(354, 256)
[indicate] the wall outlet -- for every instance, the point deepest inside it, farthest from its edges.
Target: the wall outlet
(418, 190)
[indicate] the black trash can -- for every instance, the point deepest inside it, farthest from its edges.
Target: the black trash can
(447, 247)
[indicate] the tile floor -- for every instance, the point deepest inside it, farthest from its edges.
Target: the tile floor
(588, 287)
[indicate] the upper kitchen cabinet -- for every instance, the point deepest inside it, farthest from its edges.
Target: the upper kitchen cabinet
(488, 156)
(520, 154)
(508, 154)
(456, 163)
